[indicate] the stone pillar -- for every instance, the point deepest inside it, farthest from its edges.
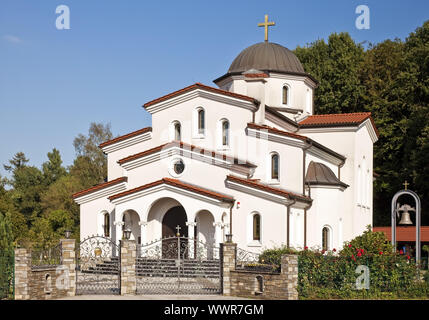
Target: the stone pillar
(68, 261)
(22, 274)
(128, 267)
(118, 225)
(289, 270)
(227, 257)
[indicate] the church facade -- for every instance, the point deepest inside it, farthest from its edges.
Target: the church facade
(247, 157)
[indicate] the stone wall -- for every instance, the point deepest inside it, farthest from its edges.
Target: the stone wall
(45, 282)
(266, 285)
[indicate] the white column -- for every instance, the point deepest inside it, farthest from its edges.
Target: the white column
(143, 233)
(225, 231)
(218, 233)
(191, 236)
(118, 225)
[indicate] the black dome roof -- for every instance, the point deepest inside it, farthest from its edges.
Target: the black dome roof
(267, 56)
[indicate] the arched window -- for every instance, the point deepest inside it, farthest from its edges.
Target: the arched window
(275, 166)
(225, 133)
(177, 131)
(106, 224)
(257, 227)
(201, 121)
(325, 238)
(285, 94)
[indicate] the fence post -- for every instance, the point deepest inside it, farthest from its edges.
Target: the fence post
(227, 256)
(22, 271)
(289, 270)
(68, 260)
(128, 267)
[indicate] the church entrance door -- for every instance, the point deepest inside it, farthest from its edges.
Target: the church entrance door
(173, 225)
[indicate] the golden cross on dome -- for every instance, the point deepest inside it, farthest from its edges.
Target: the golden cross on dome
(266, 24)
(178, 230)
(406, 184)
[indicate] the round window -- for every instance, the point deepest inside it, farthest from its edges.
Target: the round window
(179, 166)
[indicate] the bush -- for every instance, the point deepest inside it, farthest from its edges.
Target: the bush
(332, 275)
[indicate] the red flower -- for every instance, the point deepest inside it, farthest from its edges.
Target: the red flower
(401, 252)
(323, 251)
(381, 252)
(350, 245)
(353, 257)
(408, 258)
(334, 250)
(305, 248)
(359, 254)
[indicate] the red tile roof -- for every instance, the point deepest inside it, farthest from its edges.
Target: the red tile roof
(335, 120)
(255, 184)
(126, 136)
(179, 184)
(202, 87)
(297, 136)
(99, 187)
(404, 234)
(276, 131)
(189, 147)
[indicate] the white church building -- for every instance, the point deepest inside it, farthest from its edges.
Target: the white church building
(247, 157)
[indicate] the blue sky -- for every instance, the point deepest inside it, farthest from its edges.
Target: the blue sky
(120, 54)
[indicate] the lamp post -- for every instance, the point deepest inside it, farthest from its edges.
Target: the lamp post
(67, 234)
(228, 238)
(127, 234)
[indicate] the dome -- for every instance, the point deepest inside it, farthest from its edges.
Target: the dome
(267, 56)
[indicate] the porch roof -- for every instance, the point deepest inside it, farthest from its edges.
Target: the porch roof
(179, 184)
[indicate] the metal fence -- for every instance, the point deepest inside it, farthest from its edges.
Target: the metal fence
(7, 275)
(46, 257)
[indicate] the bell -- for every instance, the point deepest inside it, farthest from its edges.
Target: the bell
(405, 218)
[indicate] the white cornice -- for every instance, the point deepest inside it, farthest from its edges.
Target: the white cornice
(320, 153)
(167, 187)
(127, 142)
(265, 134)
(105, 192)
(200, 93)
(281, 123)
(266, 195)
(174, 150)
(371, 130)
(294, 142)
(257, 193)
(367, 123)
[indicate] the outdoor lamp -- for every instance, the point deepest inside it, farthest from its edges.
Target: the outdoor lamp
(127, 234)
(229, 238)
(67, 234)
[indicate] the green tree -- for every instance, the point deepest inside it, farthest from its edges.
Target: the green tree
(91, 161)
(336, 66)
(53, 169)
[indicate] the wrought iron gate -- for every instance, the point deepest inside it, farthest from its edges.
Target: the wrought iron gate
(98, 266)
(178, 265)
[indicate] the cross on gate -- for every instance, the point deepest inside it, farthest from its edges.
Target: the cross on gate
(406, 184)
(178, 230)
